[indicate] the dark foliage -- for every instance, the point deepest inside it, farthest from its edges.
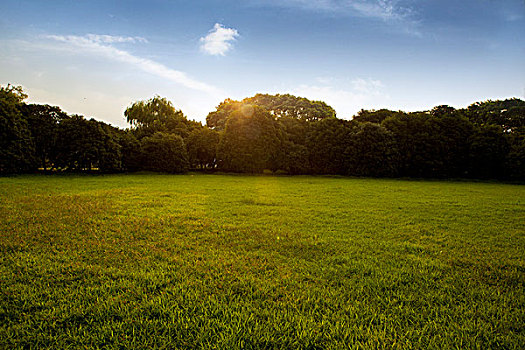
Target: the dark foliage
(373, 116)
(43, 123)
(488, 150)
(202, 148)
(17, 153)
(279, 133)
(164, 152)
(372, 151)
(326, 143)
(251, 141)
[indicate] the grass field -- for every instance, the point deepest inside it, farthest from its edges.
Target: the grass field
(212, 261)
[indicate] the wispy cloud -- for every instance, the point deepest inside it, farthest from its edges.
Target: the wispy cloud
(512, 16)
(219, 40)
(394, 12)
(347, 100)
(102, 45)
(110, 39)
(367, 86)
(383, 9)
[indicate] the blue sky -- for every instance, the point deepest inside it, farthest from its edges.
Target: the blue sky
(97, 57)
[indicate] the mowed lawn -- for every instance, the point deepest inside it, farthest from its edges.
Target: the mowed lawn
(217, 261)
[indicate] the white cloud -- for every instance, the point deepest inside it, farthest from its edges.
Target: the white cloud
(219, 40)
(367, 86)
(110, 39)
(397, 13)
(362, 93)
(324, 80)
(383, 9)
(100, 45)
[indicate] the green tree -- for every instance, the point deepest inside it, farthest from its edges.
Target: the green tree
(71, 143)
(451, 134)
(110, 151)
(87, 144)
(217, 119)
(164, 152)
(277, 105)
(415, 137)
(157, 115)
(515, 162)
(372, 151)
(16, 145)
(43, 123)
(202, 147)
(373, 116)
(509, 114)
(131, 157)
(251, 141)
(443, 111)
(327, 142)
(294, 149)
(286, 105)
(488, 152)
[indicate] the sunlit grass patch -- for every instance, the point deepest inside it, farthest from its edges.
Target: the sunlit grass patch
(141, 261)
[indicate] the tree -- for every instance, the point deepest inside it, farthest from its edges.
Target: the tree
(373, 116)
(515, 162)
(251, 141)
(443, 111)
(451, 134)
(417, 144)
(277, 105)
(157, 115)
(164, 152)
(87, 144)
(75, 149)
(287, 105)
(217, 119)
(294, 149)
(488, 152)
(202, 147)
(509, 113)
(372, 151)
(131, 157)
(327, 142)
(110, 151)
(16, 144)
(43, 123)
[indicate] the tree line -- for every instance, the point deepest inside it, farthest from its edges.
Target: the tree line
(280, 133)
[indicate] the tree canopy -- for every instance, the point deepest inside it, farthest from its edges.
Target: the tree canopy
(277, 105)
(157, 115)
(164, 152)
(17, 151)
(250, 142)
(278, 133)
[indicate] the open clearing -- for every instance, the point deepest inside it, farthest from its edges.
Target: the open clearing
(200, 261)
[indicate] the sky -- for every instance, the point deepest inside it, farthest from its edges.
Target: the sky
(96, 58)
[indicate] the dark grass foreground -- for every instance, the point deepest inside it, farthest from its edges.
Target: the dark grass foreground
(226, 262)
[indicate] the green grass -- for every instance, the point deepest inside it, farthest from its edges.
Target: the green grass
(211, 261)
